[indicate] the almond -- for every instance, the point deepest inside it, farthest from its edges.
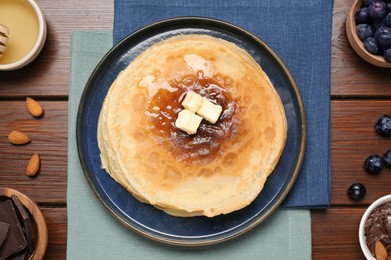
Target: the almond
(17, 137)
(34, 107)
(380, 251)
(33, 166)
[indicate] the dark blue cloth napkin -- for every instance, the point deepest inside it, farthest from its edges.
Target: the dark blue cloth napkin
(299, 31)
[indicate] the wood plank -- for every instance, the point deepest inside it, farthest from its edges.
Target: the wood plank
(56, 221)
(48, 75)
(335, 234)
(351, 75)
(353, 139)
(49, 139)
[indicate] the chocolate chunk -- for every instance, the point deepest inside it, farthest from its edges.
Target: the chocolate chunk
(4, 228)
(25, 220)
(19, 256)
(16, 241)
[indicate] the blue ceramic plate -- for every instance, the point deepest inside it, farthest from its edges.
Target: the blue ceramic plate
(148, 220)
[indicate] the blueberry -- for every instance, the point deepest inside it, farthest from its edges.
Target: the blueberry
(362, 15)
(383, 37)
(364, 31)
(374, 163)
(371, 46)
(366, 2)
(377, 10)
(356, 191)
(387, 55)
(387, 20)
(387, 158)
(388, 6)
(377, 24)
(383, 125)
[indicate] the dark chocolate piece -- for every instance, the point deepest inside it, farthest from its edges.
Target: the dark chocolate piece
(19, 256)
(4, 228)
(25, 220)
(16, 241)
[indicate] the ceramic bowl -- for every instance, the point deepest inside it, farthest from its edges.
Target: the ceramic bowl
(38, 221)
(364, 218)
(40, 42)
(357, 44)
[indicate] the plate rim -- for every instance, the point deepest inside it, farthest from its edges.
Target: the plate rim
(300, 155)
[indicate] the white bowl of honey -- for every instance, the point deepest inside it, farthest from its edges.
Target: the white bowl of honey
(27, 32)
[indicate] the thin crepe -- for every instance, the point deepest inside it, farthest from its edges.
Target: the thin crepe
(220, 169)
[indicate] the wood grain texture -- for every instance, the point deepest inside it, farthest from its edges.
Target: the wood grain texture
(335, 234)
(56, 220)
(48, 75)
(48, 138)
(353, 139)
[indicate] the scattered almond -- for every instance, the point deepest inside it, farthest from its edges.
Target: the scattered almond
(17, 137)
(34, 107)
(380, 251)
(33, 166)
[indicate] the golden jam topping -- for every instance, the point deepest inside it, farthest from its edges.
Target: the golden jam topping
(210, 139)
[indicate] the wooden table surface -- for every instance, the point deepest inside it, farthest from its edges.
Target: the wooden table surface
(360, 93)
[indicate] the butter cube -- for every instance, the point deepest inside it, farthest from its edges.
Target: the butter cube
(209, 111)
(192, 101)
(188, 121)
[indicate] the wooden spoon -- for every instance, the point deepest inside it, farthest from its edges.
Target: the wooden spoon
(4, 31)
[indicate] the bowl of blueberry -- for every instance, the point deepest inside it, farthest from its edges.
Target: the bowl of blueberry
(368, 27)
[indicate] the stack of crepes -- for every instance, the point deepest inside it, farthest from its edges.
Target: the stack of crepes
(220, 169)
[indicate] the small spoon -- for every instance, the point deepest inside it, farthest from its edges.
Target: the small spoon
(4, 31)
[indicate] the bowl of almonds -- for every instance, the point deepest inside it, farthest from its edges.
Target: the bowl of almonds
(375, 230)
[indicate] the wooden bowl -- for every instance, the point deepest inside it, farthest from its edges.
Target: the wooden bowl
(357, 44)
(39, 223)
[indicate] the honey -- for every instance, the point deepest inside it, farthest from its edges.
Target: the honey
(20, 17)
(208, 143)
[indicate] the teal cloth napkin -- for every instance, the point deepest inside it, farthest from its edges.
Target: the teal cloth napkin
(93, 233)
